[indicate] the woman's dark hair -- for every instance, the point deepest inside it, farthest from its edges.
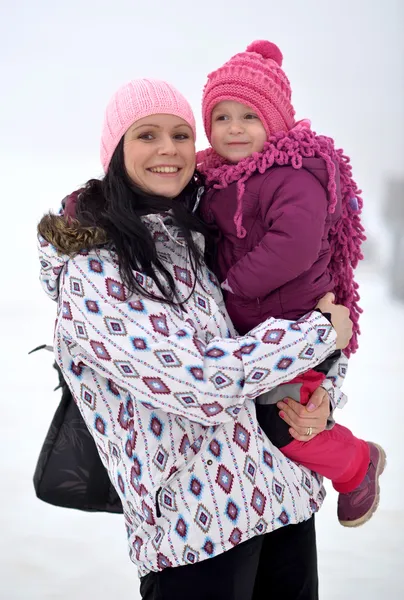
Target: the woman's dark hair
(115, 204)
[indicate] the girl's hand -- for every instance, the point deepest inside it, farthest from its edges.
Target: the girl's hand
(339, 318)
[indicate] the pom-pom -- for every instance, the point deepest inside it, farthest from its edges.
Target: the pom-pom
(267, 50)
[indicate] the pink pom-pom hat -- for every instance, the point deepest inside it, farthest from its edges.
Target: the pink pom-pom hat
(254, 78)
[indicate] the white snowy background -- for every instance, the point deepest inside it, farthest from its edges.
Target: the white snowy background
(59, 64)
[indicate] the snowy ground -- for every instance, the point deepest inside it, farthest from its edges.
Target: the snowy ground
(48, 553)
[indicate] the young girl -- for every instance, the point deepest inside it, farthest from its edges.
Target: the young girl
(287, 213)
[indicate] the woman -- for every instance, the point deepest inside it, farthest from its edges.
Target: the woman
(165, 387)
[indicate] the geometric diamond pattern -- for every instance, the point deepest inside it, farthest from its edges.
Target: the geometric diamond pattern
(203, 518)
(95, 266)
(224, 479)
(220, 381)
(245, 350)
(88, 396)
(196, 487)
(306, 483)
(307, 353)
(323, 332)
(115, 289)
(100, 424)
(215, 353)
(125, 368)
(261, 527)
(187, 399)
(215, 448)
(284, 363)
(76, 369)
(167, 497)
(139, 343)
(183, 275)
(158, 538)
(196, 372)
(184, 445)
(284, 517)
(163, 562)
(274, 336)
(235, 536)
(190, 556)
(147, 513)
(278, 490)
(100, 350)
(137, 306)
(115, 326)
(258, 501)
(268, 460)
(202, 303)
(241, 437)
(92, 307)
(80, 330)
(159, 324)
(232, 511)
(156, 426)
(182, 528)
(213, 409)
(168, 358)
(66, 311)
(160, 458)
(76, 287)
(250, 469)
(257, 375)
(156, 385)
(209, 547)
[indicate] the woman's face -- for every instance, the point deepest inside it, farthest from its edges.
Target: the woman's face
(159, 154)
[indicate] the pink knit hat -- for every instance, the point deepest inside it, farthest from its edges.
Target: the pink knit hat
(254, 78)
(133, 101)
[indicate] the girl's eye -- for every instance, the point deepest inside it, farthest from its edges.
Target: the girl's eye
(222, 118)
(251, 116)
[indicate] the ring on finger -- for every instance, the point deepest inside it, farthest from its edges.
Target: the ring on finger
(309, 431)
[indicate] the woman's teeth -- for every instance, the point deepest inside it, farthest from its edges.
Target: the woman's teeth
(164, 169)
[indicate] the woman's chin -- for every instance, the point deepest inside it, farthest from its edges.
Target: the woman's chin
(167, 186)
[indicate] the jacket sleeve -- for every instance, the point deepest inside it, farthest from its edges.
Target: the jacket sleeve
(158, 357)
(334, 381)
(294, 211)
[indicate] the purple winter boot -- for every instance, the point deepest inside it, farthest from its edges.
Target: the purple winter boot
(357, 507)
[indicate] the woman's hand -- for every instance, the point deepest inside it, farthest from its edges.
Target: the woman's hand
(306, 419)
(339, 318)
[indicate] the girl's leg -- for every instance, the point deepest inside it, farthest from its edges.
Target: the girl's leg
(336, 454)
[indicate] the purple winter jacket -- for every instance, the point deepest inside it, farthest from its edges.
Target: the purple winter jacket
(280, 268)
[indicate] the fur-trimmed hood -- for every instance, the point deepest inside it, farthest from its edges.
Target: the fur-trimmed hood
(69, 237)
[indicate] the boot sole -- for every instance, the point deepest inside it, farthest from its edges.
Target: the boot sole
(380, 468)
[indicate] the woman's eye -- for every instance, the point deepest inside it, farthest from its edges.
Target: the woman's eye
(181, 136)
(146, 137)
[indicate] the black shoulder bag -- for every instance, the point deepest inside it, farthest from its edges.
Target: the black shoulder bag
(69, 472)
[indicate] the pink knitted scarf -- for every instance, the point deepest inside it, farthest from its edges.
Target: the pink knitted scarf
(346, 236)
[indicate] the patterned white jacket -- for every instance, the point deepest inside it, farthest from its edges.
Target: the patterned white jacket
(168, 396)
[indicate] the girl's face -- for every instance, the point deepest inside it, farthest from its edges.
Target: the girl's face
(237, 131)
(159, 154)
